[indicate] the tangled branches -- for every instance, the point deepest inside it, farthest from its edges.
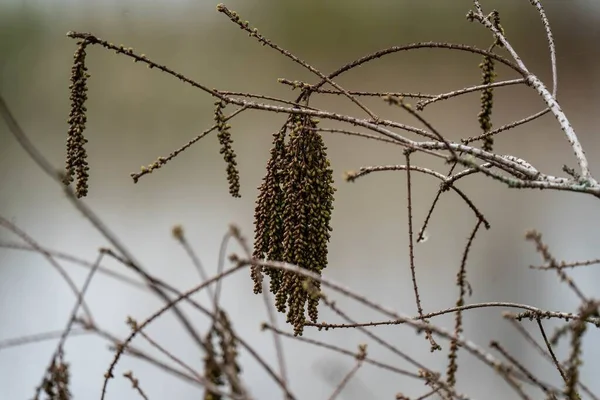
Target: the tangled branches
(292, 226)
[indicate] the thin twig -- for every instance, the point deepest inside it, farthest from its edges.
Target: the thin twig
(360, 357)
(135, 383)
(455, 93)
(263, 40)
(163, 160)
(547, 390)
(37, 248)
(133, 324)
(411, 254)
(538, 5)
(342, 351)
(549, 99)
(235, 233)
(38, 337)
(351, 176)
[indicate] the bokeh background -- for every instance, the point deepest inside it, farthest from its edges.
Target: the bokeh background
(136, 114)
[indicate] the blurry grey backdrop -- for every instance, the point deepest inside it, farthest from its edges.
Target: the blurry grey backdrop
(136, 114)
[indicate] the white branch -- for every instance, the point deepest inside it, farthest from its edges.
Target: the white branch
(549, 99)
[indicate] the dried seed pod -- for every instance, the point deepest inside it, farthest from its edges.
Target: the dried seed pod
(488, 75)
(292, 218)
(56, 382)
(226, 355)
(487, 101)
(233, 175)
(212, 370)
(76, 159)
(268, 230)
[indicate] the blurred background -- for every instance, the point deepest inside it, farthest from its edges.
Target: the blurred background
(136, 114)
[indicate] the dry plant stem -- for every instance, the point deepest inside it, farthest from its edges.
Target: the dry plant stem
(466, 172)
(549, 99)
(236, 234)
(220, 267)
(92, 39)
(61, 271)
(443, 188)
(369, 124)
(197, 263)
(394, 49)
(440, 137)
(507, 126)
(173, 304)
(163, 160)
(415, 46)
(77, 261)
(205, 382)
(56, 175)
(152, 282)
(135, 384)
(357, 134)
(411, 252)
(264, 41)
(374, 337)
(564, 264)
(575, 359)
(505, 162)
(134, 352)
(372, 125)
(552, 393)
(227, 369)
(455, 93)
(95, 221)
(343, 351)
(211, 315)
(428, 394)
(543, 182)
(38, 337)
(186, 296)
(462, 283)
(552, 358)
(173, 358)
(559, 333)
(261, 96)
(422, 368)
(537, 4)
(73, 316)
(367, 170)
(561, 315)
(542, 248)
(477, 351)
(360, 358)
(513, 172)
(276, 340)
(550, 350)
(109, 374)
(296, 84)
(534, 312)
(549, 315)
